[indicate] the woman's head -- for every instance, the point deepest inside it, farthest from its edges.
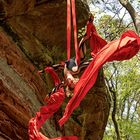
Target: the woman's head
(72, 65)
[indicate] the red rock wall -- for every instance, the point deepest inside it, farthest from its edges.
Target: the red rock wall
(33, 35)
(21, 89)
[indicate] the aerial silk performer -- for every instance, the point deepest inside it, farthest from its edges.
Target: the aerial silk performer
(122, 49)
(53, 104)
(55, 100)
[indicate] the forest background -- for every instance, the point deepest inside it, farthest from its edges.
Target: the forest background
(112, 18)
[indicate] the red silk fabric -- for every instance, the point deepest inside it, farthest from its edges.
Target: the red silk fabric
(71, 6)
(68, 28)
(75, 31)
(46, 111)
(122, 49)
(96, 42)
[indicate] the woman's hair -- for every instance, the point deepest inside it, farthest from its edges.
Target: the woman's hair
(71, 64)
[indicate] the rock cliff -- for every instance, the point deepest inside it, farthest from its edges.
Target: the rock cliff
(33, 35)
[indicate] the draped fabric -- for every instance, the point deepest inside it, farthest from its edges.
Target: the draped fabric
(75, 31)
(71, 8)
(68, 28)
(96, 42)
(46, 111)
(122, 49)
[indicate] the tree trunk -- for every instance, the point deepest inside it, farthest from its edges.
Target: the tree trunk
(114, 115)
(134, 15)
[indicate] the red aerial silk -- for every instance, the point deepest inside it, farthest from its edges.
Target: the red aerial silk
(68, 28)
(46, 111)
(96, 42)
(122, 49)
(71, 5)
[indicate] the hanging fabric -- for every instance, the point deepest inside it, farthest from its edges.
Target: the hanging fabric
(68, 29)
(122, 49)
(71, 7)
(53, 104)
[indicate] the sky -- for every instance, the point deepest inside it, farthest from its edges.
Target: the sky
(99, 12)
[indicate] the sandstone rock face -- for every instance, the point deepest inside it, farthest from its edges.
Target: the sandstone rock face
(40, 26)
(21, 90)
(33, 35)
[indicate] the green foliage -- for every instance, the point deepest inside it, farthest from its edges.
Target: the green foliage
(81, 32)
(110, 28)
(123, 77)
(111, 20)
(126, 80)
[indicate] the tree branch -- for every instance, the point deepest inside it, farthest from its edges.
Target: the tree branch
(126, 4)
(112, 90)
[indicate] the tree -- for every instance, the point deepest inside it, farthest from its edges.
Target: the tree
(125, 82)
(121, 84)
(133, 13)
(112, 6)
